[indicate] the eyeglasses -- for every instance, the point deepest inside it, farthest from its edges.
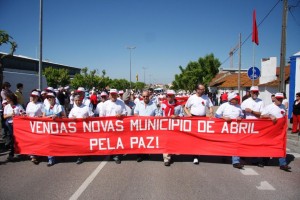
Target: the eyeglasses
(145, 96)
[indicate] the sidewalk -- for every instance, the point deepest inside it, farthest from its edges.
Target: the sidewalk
(293, 140)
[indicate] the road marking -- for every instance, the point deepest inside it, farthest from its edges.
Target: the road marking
(249, 171)
(264, 185)
(296, 155)
(89, 179)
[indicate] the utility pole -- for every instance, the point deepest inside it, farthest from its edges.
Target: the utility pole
(130, 48)
(41, 45)
(240, 63)
(283, 47)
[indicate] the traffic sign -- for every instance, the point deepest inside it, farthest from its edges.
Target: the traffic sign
(253, 73)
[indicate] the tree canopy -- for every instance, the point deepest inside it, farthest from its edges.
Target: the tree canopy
(201, 71)
(56, 77)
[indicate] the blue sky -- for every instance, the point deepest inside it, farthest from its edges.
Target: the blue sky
(166, 33)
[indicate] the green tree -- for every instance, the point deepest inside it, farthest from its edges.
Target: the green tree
(201, 71)
(56, 77)
(89, 79)
(6, 39)
(139, 86)
(120, 84)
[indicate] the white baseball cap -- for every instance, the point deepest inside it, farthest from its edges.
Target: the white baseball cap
(113, 91)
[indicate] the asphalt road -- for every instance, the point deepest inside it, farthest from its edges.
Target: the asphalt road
(100, 178)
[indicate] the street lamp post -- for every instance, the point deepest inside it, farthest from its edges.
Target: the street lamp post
(130, 48)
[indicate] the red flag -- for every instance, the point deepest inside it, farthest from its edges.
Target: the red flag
(254, 29)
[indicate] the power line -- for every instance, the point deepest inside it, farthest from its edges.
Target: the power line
(251, 32)
(290, 11)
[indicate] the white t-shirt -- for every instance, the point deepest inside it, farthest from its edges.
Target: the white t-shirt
(256, 105)
(276, 111)
(111, 108)
(34, 109)
(8, 110)
(98, 108)
(198, 104)
(80, 112)
(229, 110)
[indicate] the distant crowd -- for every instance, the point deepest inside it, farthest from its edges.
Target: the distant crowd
(80, 103)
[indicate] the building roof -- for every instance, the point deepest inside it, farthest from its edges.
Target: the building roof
(230, 79)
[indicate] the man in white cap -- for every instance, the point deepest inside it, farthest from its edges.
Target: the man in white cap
(121, 92)
(275, 111)
(104, 97)
(113, 107)
(80, 111)
(86, 101)
(170, 108)
(196, 106)
(229, 111)
(252, 108)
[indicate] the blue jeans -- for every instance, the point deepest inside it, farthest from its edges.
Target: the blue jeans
(235, 160)
(282, 161)
(10, 139)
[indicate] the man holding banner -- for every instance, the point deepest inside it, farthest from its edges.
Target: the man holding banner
(252, 108)
(275, 111)
(229, 111)
(170, 108)
(196, 106)
(114, 107)
(145, 108)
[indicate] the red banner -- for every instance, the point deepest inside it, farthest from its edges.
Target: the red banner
(151, 135)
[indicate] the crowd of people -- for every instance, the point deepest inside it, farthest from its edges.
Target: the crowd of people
(79, 103)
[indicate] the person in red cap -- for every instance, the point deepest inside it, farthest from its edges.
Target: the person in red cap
(170, 108)
(275, 111)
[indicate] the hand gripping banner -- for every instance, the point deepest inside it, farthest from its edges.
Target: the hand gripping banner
(151, 135)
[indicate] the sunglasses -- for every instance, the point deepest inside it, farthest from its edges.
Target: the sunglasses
(145, 96)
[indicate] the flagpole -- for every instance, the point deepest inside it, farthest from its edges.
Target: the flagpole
(253, 53)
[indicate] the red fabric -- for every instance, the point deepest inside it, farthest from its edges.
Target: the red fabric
(93, 99)
(224, 97)
(254, 29)
(296, 123)
(170, 108)
(150, 135)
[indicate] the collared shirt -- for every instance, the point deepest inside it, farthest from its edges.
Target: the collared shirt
(229, 110)
(111, 108)
(198, 104)
(149, 109)
(55, 110)
(276, 111)
(34, 109)
(82, 111)
(256, 105)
